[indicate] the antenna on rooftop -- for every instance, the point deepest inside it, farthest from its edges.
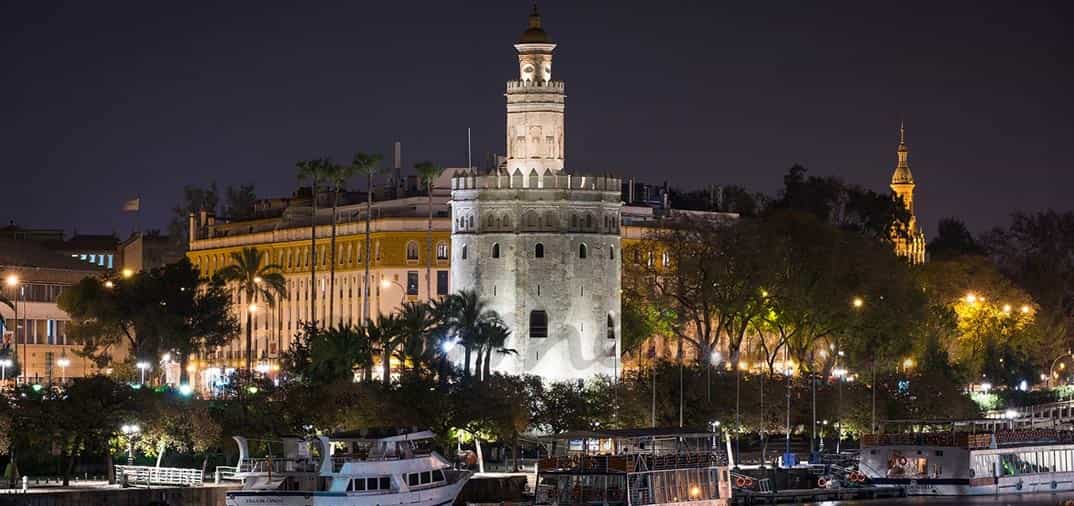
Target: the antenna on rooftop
(469, 161)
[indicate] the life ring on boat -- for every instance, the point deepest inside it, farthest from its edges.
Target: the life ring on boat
(822, 482)
(902, 461)
(853, 476)
(740, 482)
(749, 482)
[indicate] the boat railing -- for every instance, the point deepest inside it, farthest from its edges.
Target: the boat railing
(969, 440)
(631, 463)
(277, 465)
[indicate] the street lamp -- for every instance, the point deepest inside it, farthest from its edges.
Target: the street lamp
(109, 284)
(63, 362)
(840, 373)
(127, 273)
(131, 431)
(143, 365)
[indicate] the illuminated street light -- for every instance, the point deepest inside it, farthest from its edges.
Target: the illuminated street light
(63, 362)
(985, 387)
(257, 279)
(131, 431)
(127, 273)
(908, 363)
(1025, 309)
(12, 280)
(858, 302)
(1007, 308)
(143, 366)
(186, 390)
(4, 364)
(971, 298)
(252, 308)
(109, 284)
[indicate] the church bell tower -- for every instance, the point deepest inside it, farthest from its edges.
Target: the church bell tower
(912, 246)
(535, 105)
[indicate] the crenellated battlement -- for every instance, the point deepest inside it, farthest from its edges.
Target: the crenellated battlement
(470, 180)
(536, 86)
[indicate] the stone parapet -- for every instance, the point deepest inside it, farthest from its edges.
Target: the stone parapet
(536, 86)
(535, 181)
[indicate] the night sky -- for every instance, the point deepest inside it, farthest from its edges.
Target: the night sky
(104, 101)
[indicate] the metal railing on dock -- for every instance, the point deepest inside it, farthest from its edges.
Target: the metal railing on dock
(149, 475)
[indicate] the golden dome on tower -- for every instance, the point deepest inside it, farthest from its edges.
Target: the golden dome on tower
(534, 34)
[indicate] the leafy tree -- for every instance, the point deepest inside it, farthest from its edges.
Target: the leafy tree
(239, 202)
(1037, 252)
(163, 309)
(429, 172)
(711, 281)
(181, 425)
(844, 206)
(367, 165)
(195, 199)
(953, 240)
(255, 279)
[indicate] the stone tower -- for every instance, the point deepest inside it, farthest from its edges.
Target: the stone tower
(538, 244)
(535, 105)
(902, 183)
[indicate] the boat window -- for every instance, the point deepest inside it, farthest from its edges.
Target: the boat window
(426, 478)
(412, 479)
(438, 475)
(939, 453)
(385, 483)
(372, 483)
(357, 485)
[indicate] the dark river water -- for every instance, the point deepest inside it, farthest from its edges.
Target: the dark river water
(1057, 499)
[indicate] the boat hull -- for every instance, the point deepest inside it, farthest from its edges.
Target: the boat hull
(439, 496)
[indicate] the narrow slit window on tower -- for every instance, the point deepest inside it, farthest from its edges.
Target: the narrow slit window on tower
(464, 248)
(538, 324)
(583, 251)
(611, 252)
(538, 250)
(496, 250)
(611, 327)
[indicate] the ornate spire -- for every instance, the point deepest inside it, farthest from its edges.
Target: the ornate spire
(902, 173)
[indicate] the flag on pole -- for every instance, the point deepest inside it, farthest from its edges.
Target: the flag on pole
(132, 205)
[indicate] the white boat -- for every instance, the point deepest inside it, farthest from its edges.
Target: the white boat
(969, 457)
(359, 468)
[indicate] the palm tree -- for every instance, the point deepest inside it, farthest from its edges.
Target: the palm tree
(338, 174)
(314, 170)
(464, 313)
(386, 332)
(367, 165)
(334, 353)
(254, 280)
(429, 173)
(416, 323)
(494, 336)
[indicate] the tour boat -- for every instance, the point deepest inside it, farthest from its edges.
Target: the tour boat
(634, 467)
(357, 468)
(969, 457)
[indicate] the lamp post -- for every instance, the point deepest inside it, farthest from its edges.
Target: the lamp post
(840, 373)
(63, 362)
(131, 431)
(143, 365)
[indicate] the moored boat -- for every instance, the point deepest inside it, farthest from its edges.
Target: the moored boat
(358, 468)
(968, 457)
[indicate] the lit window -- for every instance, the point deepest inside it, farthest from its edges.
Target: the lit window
(412, 250)
(538, 324)
(441, 251)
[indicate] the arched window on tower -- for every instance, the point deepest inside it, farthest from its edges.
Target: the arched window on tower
(611, 252)
(496, 250)
(538, 324)
(611, 327)
(538, 250)
(583, 251)
(464, 248)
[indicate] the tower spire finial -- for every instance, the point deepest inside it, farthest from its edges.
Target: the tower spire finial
(902, 132)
